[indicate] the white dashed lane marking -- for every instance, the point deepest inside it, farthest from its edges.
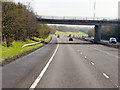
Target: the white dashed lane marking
(92, 63)
(106, 75)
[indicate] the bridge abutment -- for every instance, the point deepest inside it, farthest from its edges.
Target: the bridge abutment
(97, 34)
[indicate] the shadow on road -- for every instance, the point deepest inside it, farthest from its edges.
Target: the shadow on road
(74, 43)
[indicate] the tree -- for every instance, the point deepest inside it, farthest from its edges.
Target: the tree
(8, 22)
(91, 32)
(19, 23)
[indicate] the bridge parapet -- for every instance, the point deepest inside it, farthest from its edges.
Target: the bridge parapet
(79, 18)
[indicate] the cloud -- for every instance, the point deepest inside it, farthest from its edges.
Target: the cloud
(104, 8)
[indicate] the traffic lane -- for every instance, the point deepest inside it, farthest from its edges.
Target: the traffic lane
(103, 62)
(117, 43)
(22, 72)
(105, 49)
(112, 51)
(69, 70)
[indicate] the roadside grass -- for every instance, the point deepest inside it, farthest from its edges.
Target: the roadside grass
(40, 39)
(0, 52)
(16, 49)
(72, 33)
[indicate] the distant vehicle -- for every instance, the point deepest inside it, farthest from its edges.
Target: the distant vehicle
(104, 19)
(83, 37)
(92, 39)
(70, 39)
(42, 41)
(37, 17)
(73, 36)
(89, 36)
(69, 35)
(58, 36)
(112, 40)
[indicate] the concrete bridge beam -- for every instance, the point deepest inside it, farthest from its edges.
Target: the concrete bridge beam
(97, 36)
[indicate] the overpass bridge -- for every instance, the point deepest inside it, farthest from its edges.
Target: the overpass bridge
(97, 22)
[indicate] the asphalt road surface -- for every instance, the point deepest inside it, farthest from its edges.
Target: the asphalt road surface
(75, 64)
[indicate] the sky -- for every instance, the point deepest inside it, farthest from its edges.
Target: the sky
(74, 8)
(79, 8)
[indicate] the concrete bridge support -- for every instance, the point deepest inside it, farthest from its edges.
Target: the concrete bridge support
(97, 36)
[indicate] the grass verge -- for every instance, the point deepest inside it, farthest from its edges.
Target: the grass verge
(72, 33)
(16, 50)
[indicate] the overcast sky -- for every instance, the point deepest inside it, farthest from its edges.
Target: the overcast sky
(81, 8)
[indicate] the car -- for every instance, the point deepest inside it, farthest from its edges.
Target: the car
(69, 35)
(42, 41)
(58, 36)
(70, 39)
(83, 37)
(89, 36)
(73, 36)
(92, 39)
(112, 40)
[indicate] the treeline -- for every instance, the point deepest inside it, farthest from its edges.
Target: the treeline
(19, 24)
(107, 32)
(70, 29)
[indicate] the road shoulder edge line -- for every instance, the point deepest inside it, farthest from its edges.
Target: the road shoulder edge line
(35, 83)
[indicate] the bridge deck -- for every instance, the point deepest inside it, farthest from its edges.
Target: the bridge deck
(77, 21)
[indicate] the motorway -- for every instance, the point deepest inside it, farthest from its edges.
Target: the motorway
(73, 64)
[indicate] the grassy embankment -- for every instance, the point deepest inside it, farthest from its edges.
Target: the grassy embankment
(16, 49)
(72, 33)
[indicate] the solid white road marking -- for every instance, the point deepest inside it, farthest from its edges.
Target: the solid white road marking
(106, 75)
(92, 63)
(33, 86)
(114, 83)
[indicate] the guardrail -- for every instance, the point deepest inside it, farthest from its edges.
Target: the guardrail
(33, 43)
(30, 44)
(106, 43)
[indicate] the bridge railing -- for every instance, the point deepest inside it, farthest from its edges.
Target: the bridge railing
(78, 18)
